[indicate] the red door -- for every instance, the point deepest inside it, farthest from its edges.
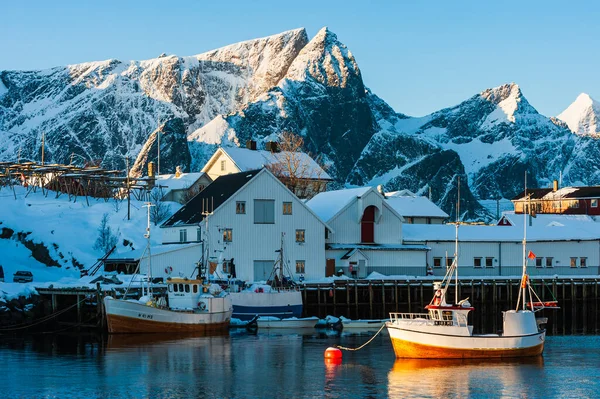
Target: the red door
(367, 225)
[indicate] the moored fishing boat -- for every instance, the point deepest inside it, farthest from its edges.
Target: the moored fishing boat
(189, 307)
(444, 331)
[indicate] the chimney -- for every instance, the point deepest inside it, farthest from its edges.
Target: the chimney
(555, 185)
(272, 146)
(380, 189)
(151, 169)
(251, 144)
(177, 172)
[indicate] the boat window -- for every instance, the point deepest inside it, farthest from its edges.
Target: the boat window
(175, 287)
(195, 289)
(447, 315)
(170, 287)
(187, 288)
(180, 287)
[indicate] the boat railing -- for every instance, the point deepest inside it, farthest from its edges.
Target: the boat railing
(409, 316)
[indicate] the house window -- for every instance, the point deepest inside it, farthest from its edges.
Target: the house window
(573, 262)
(477, 262)
(299, 235)
(489, 262)
(594, 203)
(582, 262)
(264, 211)
(223, 166)
(226, 267)
(549, 262)
(287, 208)
(449, 262)
(300, 266)
(227, 235)
(198, 234)
(240, 207)
(437, 262)
(538, 262)
(183, 235)
(575, 204)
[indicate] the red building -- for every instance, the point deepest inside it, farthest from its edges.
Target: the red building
(566, 200)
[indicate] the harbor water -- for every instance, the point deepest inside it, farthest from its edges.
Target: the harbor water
(280, 364)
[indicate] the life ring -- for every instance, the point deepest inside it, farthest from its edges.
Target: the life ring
(168, 270)
(437, 300)
(202, 305)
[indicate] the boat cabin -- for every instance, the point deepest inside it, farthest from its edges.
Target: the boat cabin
(186, 294)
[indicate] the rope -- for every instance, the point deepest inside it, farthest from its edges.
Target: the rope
(363, 345)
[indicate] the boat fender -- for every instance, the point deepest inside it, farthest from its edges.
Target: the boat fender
(168, 270)
(202, 305)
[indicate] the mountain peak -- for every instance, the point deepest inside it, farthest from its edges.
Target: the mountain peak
(501, 93)
(326, 60)
(510, 101)
(582, 116)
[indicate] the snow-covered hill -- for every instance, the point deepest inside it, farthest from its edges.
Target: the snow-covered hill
(62, 233)
(582, 116)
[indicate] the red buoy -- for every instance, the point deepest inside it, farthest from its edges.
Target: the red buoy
(333, 353)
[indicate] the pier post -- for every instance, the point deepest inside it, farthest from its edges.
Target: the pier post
(383, 298)
(370, 300)
(584, 307)
(554, 295)
(356, 316)
(573, 310)
(396, 293)
(409, 301)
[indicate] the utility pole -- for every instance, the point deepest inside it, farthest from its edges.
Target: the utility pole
(43, 148)
(128, 196)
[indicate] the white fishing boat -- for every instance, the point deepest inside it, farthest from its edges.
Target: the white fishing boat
(444, 331)
(363, 324)
(295, 323)
(189, 307)
(280, 298)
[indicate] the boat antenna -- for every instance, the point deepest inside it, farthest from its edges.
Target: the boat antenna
(207, 210)
(147, 235)
(522, 289)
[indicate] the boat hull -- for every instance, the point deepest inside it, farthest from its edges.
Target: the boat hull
(132, 317)
(283, 305)
(425, 345)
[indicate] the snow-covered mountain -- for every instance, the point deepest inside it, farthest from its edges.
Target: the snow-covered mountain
(260, 88)
(106, 110)
(582, 116)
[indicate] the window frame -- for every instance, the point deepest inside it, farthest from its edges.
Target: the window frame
(228, 235)
(240, 207)
(594, 203)
(223, 165)
(302, 270)
(183, 235)
(583, 261)
(285, 206)
(539, 262)
(573, 262)
(549, 260)
(490, 260)
(439, 261)
(477, 262)
(300, 235)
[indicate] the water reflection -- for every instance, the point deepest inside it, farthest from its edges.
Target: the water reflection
(428, 378)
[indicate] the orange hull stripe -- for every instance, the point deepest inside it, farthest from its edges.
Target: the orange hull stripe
(406, 349)
(122, 324)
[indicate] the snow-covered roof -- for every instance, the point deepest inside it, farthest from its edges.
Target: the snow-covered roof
(326, 205)
(173, 182)
(413, 206)
(548, 220)
(380, 247)
(246, 159)
(446, 232)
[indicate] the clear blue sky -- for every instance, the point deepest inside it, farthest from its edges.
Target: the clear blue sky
(419, 56)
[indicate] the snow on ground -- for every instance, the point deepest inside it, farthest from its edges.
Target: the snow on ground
(68, 229)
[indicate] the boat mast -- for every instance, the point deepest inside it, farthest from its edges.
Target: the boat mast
(281, 261)
(147, 235)
(456, 244)
(522, 289)
(206, 212)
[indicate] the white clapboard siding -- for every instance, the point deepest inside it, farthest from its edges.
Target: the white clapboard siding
(347, 228)
(258, 242)
(181, 260)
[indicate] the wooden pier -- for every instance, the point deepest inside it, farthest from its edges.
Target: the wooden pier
(375, 299)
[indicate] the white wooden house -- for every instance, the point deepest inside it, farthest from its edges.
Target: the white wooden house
(181, 187)
(252, 214)
(367, 234)
(415, 209)
(311, 178)
(559, 249)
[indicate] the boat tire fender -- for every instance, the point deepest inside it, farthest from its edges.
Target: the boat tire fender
(202, 305)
